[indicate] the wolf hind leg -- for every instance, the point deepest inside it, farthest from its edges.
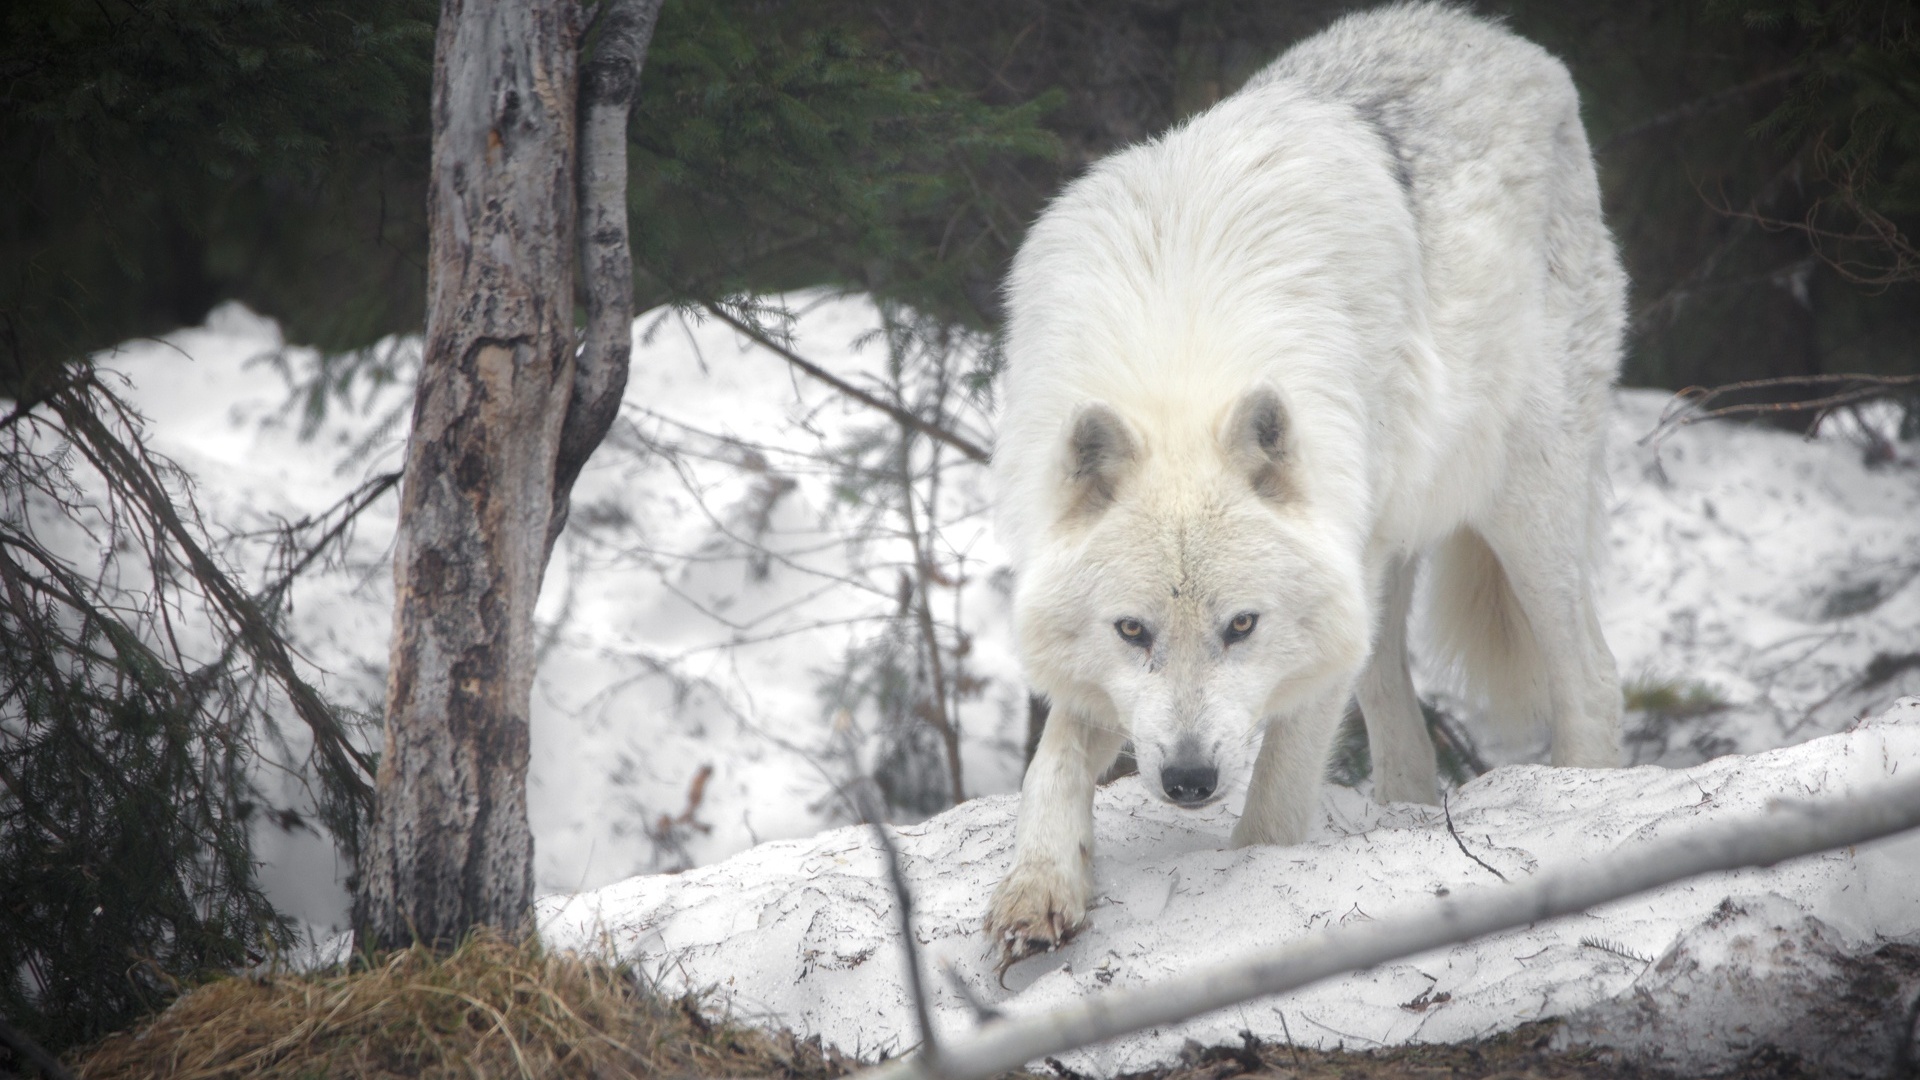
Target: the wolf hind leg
(1284, 793)
(1404, 769)
(1546, 554)
(1043, 900)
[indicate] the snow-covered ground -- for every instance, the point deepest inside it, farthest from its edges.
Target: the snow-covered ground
(707, 612)
(805, 934)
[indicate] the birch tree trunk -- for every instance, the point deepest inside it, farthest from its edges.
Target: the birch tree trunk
(450, 847)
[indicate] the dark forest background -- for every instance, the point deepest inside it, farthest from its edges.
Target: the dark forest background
(1759, 161)
(160, 157)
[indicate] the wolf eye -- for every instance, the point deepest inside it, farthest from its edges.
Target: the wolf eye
(1241, 626)
(1134, 632)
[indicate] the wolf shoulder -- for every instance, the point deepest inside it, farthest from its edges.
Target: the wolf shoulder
(1444, 86)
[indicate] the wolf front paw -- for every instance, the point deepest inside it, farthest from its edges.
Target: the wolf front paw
(1034, 910)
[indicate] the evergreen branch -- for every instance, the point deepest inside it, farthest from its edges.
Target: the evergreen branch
(350, 509)
(1704, 104)
(132, 472)
(1607, 946)
(959, 442)
(1787, 830)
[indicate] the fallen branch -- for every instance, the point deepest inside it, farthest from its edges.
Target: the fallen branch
(1690, 406)
(925, 427)
(1788, 830)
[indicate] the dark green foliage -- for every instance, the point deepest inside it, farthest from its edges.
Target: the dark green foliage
(773, 149)
(1702, 193)
(1854, 109)
(159, 156)
(135, 696)
(171, 154)
(118, 889)
(1699, 116)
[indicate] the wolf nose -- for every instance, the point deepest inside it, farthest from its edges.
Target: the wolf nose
(1189, 785)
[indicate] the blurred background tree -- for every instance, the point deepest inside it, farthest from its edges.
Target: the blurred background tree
(160, 156)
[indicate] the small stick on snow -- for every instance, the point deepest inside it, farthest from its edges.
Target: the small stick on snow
(903, 903)
(1288, 1032)
(1788, 830)
(1448, 811)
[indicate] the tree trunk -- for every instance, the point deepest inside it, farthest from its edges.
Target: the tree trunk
(621, 34)
(450, 846)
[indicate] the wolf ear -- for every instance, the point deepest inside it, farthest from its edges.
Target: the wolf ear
(1258, 440)
(1101, 451)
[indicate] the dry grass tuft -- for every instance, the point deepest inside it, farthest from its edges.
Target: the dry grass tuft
(488, 1009)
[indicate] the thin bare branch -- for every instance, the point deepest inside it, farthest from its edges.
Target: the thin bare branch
(959, 442)
(903, 904)
(1787, 830)
(1690, 406)
(349, 510)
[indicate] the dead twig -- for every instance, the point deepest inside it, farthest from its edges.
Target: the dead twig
(925, 427)
(1691, 405)
(1614, 947)
(982, 1012)
(1447, 809)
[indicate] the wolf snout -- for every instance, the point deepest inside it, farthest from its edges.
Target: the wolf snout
(1189, 784)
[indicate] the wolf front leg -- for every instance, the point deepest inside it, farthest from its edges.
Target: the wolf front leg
(1285, 790)
(1403, 761)
(1043, 899)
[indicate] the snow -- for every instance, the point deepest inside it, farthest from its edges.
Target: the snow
(1767, 570)
(803, 933)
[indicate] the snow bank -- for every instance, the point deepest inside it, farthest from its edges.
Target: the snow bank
(803, 933)
(1771, 569)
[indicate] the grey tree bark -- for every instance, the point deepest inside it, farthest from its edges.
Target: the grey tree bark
(620, 35)
(504, 416)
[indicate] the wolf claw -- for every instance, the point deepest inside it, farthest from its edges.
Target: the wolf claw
(1031, 914)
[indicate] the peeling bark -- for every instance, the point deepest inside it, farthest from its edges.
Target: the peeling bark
(450, 847)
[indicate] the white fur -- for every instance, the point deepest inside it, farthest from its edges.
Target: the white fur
(1396, 229)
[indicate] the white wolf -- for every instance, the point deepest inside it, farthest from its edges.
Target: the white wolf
(1361, 312)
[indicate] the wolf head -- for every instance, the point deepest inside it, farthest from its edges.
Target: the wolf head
(1189, 593)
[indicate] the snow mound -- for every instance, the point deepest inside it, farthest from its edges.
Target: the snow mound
(802, 933)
